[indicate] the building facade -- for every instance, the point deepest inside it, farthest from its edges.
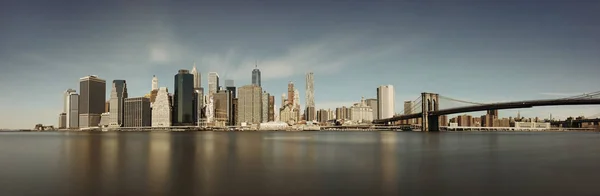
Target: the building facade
(161, 109)
(62, 120)
(265, 107)
(322, 116)
(183, 99)
(117, 97)
(310, 92)
(213, 83)
(256, 76)
(197, 78)
(361, 113)
(137, 112)
(271, 113)
(385, 101)
(91, 100)
(250, 104)
(373, 104)
(73, 111)
(66, 99)
(222, 101)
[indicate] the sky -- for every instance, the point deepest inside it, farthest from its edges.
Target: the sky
(481, 51)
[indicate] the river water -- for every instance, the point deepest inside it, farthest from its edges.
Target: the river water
(299, 163)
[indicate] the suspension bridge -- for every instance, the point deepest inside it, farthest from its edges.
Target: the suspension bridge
(427, 107)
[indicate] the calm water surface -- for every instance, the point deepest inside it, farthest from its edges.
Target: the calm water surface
(299, 163)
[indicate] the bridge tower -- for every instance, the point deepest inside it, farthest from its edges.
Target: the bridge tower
(430, 103)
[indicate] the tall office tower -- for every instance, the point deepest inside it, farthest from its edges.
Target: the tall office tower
(385, 101)
(249, 104)
(137, 112)
(291, 93)
(213, 83)
(117, 98)
(73, 111)
(256, 76)
(229, 86)
(271, 113)
(222, 101)
(310, 113)
(66, 100)
(183, 99)
(197, 78)
(310, 90)
(161, 110)
(198, 105)
(91, 100)
(265, 107)
(234, 115)
(107, 106)
(154, 82)
(373, 104)
(297, 99)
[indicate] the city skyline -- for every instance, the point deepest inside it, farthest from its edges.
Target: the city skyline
(547, 53)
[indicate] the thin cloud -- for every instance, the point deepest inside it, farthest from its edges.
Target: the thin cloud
(556, 94)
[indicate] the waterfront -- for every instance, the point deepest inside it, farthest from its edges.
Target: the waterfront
(299, 163)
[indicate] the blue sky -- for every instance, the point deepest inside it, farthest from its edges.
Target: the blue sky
(483, 51)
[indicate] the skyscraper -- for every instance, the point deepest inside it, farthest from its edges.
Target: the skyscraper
(230, 86)
(310, 90)
(117, 98)
(66, 100)
(291, 93)
(197, 79)
(265, 107)
(222, 101)
(213, 83)
(154, 82)
(310, 112)
(161, 110)
(91, 100)
(249, 104)
(183, 99)
(137, 112)
(385, 101)
(73, 111)
(256, 76)
(297, 99)
(198, 104)
(271, 113)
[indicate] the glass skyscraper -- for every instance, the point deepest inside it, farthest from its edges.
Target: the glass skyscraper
(183, 99)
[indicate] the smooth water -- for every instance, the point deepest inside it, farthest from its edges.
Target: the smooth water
(299, 163)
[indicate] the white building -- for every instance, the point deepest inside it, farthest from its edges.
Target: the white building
(296, 99)
(213, 83)
(154, 83)
(536, 125)
(310, 90)
(118, 94)
(385, 101)
(104, 119)
(161, 110)
(73, 111)
(361, 112)
(197, 83)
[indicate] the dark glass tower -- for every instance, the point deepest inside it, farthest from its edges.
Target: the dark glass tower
(256, 76)
(183, 99)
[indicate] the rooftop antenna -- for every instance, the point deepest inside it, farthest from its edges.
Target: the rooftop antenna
(255, 64)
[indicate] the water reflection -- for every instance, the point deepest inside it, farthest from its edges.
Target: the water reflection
(299, 163)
